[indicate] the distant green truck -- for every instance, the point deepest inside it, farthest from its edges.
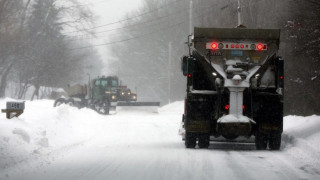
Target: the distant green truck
(100, 95)
(103, 94)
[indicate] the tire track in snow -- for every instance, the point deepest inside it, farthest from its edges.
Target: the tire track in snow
(240, 169)
(144, 146)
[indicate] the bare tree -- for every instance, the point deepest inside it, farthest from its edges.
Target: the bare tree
(35, 50)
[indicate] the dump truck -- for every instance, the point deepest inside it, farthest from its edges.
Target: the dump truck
(100, 94)
(235, 82)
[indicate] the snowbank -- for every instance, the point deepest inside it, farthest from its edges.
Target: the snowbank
(300, 140)
(305, 130)
(43, 130)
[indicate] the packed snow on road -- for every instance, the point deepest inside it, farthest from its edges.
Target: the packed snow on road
(64, 142)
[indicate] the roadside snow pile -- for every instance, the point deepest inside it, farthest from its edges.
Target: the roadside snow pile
(175, 107)
(298, 129)
(42, 129)
(300, 139)
(45, 133)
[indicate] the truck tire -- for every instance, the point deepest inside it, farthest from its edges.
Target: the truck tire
(73, 103)
(190, 140)
(103, 108)
(58, 102)
(275, 141)
(70, 102)
(204, 141)
(261, 141)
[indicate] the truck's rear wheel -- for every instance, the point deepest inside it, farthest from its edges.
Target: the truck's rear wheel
(190, 140)
(70, 102)
(204, 141)
(103, 108)
(261, 141)
(275, 141)
(58, 102)
(73, 103)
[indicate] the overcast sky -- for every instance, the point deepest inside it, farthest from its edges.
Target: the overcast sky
(110, 11)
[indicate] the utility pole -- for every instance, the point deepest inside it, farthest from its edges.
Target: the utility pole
(169, 72)
(190, 17)
(239, 13)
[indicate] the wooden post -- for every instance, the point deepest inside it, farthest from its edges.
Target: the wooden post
(14, 109)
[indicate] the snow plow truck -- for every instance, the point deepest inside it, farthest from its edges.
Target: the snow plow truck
(125, 94)
(100, 94)
(235, 82)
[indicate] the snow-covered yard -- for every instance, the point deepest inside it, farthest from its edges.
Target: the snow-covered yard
(67, 143)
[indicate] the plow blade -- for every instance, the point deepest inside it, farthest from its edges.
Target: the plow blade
(138, 103)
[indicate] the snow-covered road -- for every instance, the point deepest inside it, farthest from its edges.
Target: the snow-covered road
(67, 143)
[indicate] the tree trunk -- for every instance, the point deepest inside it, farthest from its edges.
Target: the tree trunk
(23, 90)
(3, 82)
(35, 92)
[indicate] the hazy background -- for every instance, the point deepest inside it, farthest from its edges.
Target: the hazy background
(48, 44)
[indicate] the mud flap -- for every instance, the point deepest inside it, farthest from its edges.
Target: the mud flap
(233, 130)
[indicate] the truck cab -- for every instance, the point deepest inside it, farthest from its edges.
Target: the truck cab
(104, 93)
(125, 94)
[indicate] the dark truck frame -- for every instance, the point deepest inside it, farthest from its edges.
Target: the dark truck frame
(210, 91)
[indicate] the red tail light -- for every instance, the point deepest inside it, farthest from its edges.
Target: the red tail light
(189, 75)
(214, 45)
(259, 47)
(243, 107)
(226, 107)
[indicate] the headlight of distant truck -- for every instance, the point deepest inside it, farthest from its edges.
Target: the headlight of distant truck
(129, 93)
(113, 97)
(122, 93)
(134, 97)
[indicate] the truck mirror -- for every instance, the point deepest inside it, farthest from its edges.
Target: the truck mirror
(190, 65)
(184, 65)
(280, 77)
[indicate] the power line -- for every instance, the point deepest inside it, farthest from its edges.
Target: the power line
(88, 4)
(176, 12)
(140, 23)
(136, 37)
(129, 18)
(134, 25)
